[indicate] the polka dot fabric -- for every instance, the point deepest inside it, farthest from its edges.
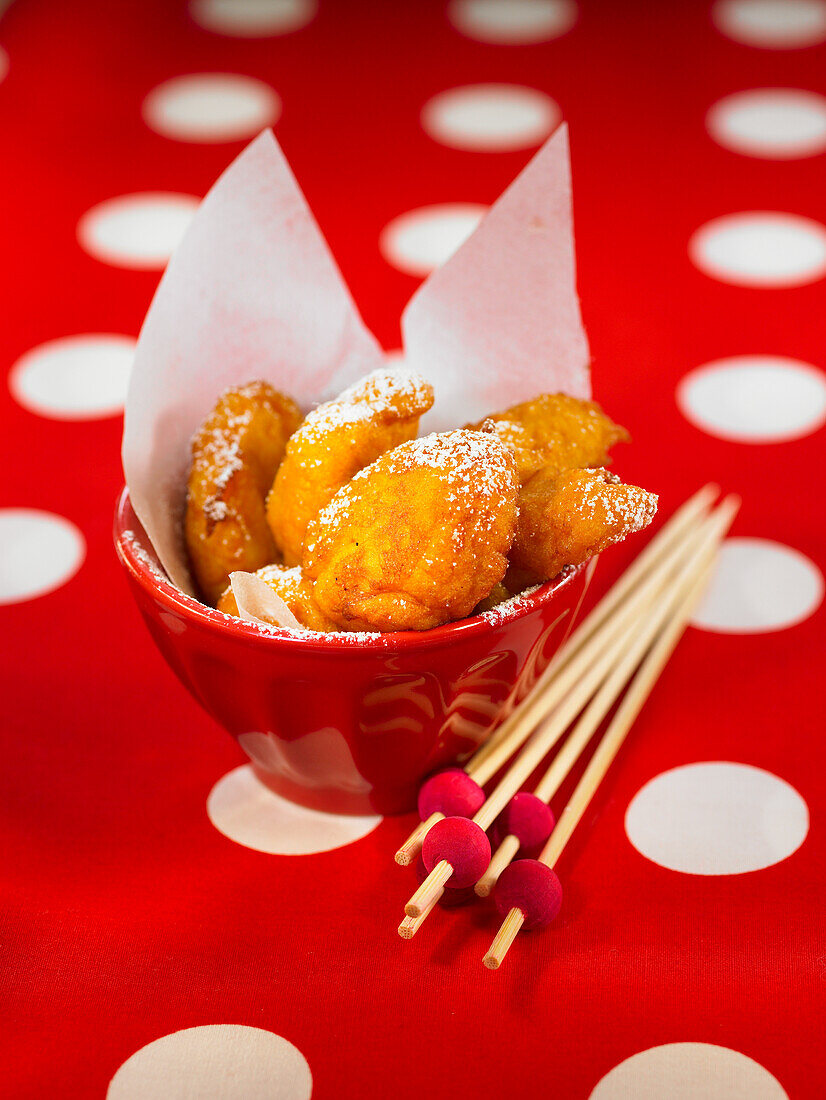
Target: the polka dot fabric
(211, 939)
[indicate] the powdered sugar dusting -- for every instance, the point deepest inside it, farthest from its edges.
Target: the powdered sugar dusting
(216, 511)
(291, 576)
(130, 539)
(399, 393)
(504, 612)
(351, 637)
(509, 609)
(219, 443)
(216, 447)
(331, 417)
(624, 508)
(473, 466)
(468, 457)
(382, 389)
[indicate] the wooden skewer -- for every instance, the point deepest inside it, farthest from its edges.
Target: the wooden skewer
(662, 546)
(522, 722)
(697, 547)
(632, 645)
(433, 886)
(508, 931)
(647, 573)
(617, 731)
(411, 925)
(610, 745)
(671, 532)
(500, 859)
(413, 845)
(634, 640)
(546, 736)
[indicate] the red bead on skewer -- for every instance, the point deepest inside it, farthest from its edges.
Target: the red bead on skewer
(455, 850)
(462, 844)
(523, 826)
(527, 818)
(531, 887)
(451, 793)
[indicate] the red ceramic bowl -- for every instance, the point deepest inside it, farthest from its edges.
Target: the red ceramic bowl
(350, 723)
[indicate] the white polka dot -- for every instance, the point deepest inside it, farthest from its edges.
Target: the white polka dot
(421, 240)
(777, 123)
(758, 586)
(755, 398)
(512, 22)
(772, 24)
(244, 810)
(716, 819)
(221, 1061)
(137, 231)
(490, 117)
(76, 377)
(689, 1071)
(253, 18)
(211, 107)
(761, 249)
(39, 552)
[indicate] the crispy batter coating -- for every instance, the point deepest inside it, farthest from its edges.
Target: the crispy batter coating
(418, 538)
(335, 442)
(294, 589)
(556, 431)
(235, 454)
(566, 518)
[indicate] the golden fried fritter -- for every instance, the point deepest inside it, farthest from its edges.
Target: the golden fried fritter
(556, 431)
(335, 442)
(235, 454)
(566, 518)
(294, 589)
(419, 537)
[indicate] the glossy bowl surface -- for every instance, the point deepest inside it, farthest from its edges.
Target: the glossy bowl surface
(349, 723)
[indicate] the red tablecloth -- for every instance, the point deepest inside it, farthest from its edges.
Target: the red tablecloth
(128, 916)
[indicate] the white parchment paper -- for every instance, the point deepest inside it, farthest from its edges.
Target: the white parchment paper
(257, 603)
(252, 291)
(500, 322)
